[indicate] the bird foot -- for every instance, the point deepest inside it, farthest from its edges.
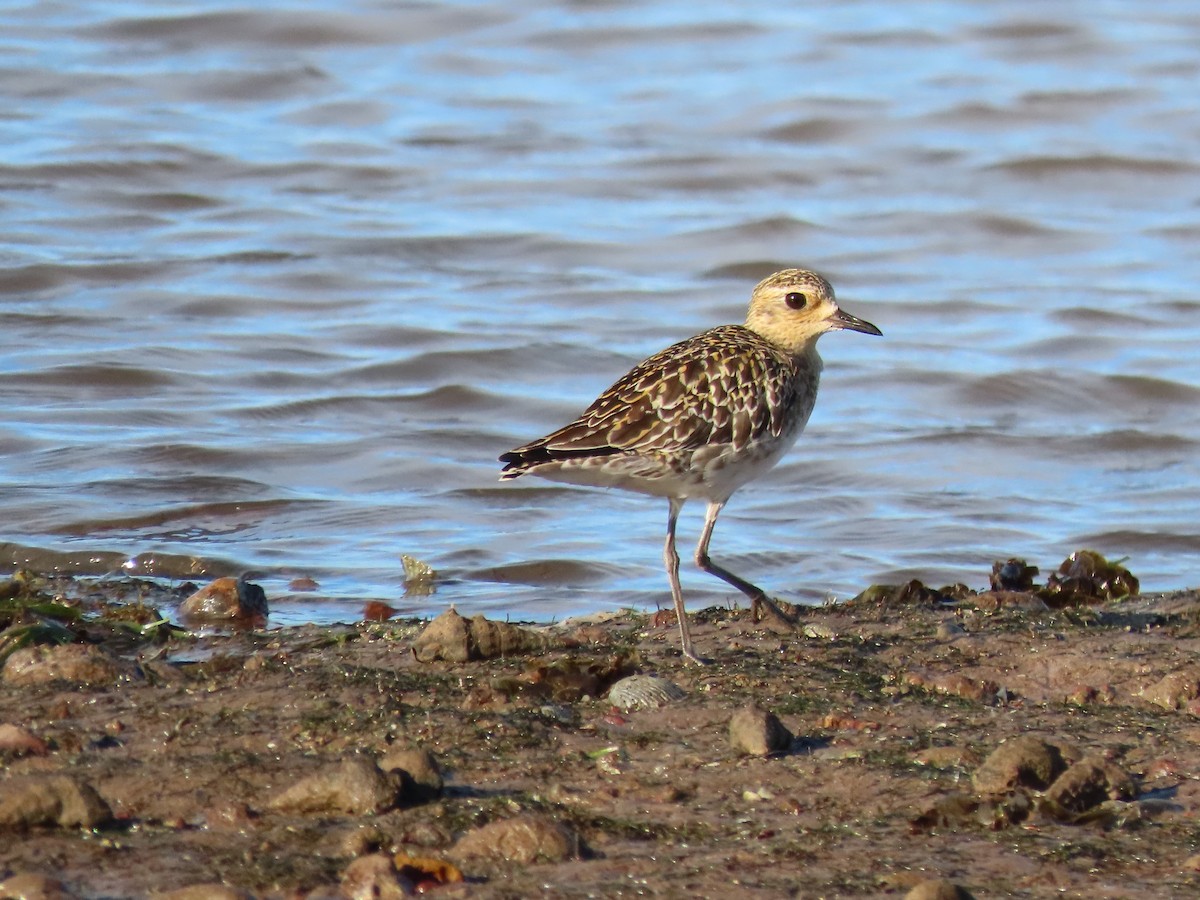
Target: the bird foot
(764, 610)
(690, 655)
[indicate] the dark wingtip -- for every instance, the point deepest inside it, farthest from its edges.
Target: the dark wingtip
(514, 465)
(518, 462)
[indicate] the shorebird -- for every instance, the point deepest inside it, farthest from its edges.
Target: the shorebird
(702, 417)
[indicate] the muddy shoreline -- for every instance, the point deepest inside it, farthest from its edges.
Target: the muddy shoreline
(894, 707)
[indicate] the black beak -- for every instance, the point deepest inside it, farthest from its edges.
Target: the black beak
(843, 320)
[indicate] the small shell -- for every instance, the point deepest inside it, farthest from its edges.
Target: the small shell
(643, 692)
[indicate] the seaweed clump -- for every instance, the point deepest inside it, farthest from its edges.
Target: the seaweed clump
(1086, 577)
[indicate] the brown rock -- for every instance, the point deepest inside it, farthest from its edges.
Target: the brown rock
(455, 639)
(1021, 761)
(1088, 783)
(991, 601)
(374, 877)
(756, 732)
(1174, 691)
(523, 839)
(30, 886)
(357, 787)
(938, 889)
(363, 840)
(427, 872)
(421, 776)
(208, 891)
(946, 812)
(16, 740)
(228, 814)
(954, 684)
(224, 601)
(34, 800)
(76, 663)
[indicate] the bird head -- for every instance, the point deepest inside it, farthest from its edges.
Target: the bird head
(794, 307)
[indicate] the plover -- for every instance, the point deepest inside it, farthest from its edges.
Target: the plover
(703, 417)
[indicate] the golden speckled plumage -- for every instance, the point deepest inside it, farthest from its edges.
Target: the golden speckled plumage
(704, 416)
(726, 388)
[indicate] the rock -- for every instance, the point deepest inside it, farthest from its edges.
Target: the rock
(421, 776)
(946, 812)
(16, 740)
(30, 886)
(950, 630)
(207, 891)
(374, 877)
(1173, 691)
(1025, 761)
(30, 801)
(938, 889)
(1089, 782)
(455, 639)
(226, 601)
(357, 787)
(912, 593)
(991, 601)
(946, 757)
(1013, 575)
(76, 663)
(756, 732)
(1086, 695)
(228, 814)
(523, 839)
(427, 872)
(363, 840)
(378, 611)
(955, 684)
(643, 692)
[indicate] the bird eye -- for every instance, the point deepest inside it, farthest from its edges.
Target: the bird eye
(796, 300)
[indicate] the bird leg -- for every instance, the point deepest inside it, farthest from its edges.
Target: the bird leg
(760, 603)
(671, 558)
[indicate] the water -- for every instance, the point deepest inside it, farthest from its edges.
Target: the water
(279, 282)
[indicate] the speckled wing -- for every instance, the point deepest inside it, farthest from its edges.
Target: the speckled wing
(725, 386)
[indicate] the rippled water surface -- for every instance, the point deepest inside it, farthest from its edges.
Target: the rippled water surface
(278, 282)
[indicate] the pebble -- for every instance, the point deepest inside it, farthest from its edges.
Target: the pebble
(374, 877)
(427, 872)
(949, 630)
(946, 757)
(954, 684)
(522, 839)
(991, 601)
(16, 740)
(357, 786)
(208, 891)
(76, 663)
(35, 800)
(363, 840)
(1173, 691)
(455, 639)
(226, 600)
(1088, 783)
(421, 776)
(31, 886)
(938, 889)
(1025, 760)
(819, 631)
(756, 732)
(643, 692)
